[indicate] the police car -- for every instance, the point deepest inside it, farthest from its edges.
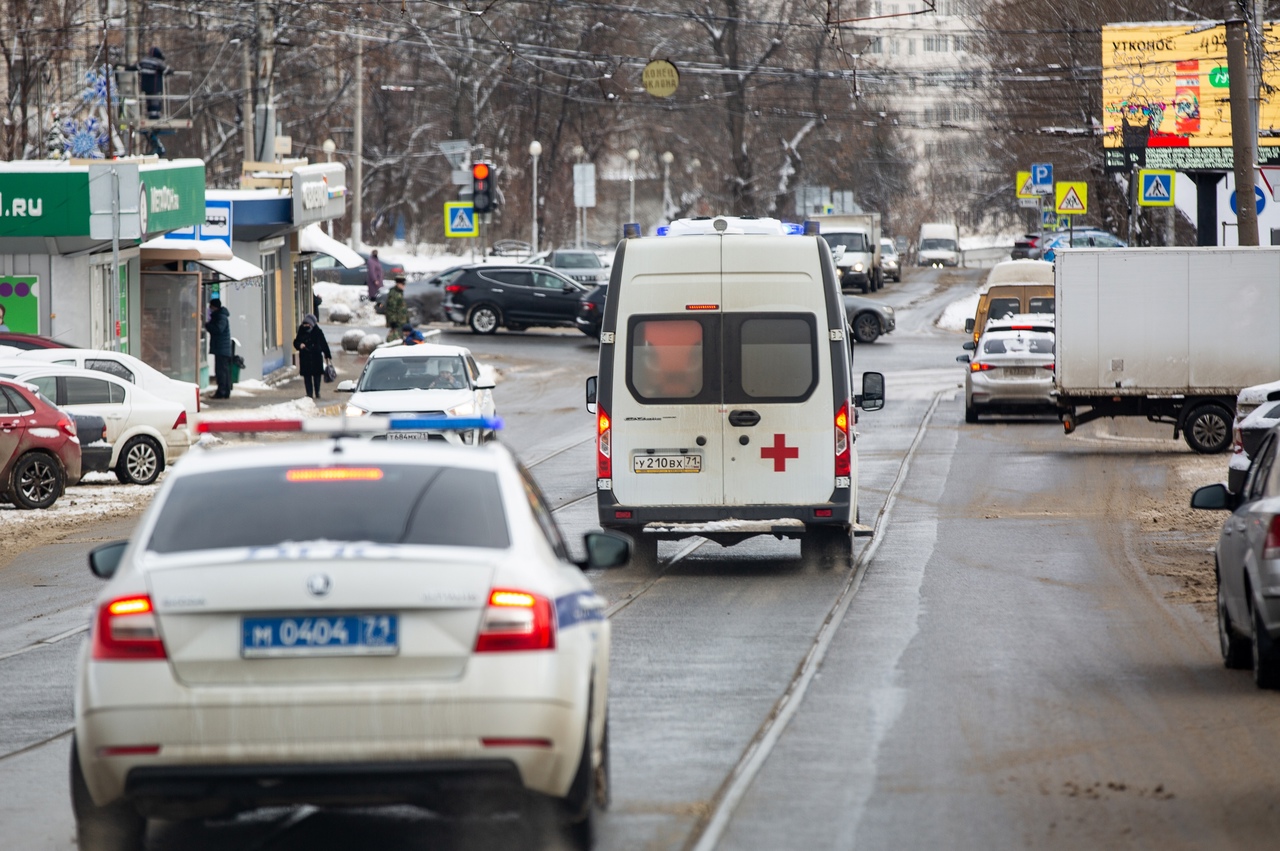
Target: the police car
(255, 647)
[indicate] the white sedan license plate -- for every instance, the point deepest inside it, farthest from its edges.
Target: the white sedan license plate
(666, 463)
(1021, 372)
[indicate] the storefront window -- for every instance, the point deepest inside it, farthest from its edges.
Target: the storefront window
(270, 305)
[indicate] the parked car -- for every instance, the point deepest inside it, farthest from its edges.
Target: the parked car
(95, 452)
(1257, 406)
(591, 311)
(39, 451)
(1080, 238)
(131, 369)
(890, 262)
(1012, 367)
(1247, 565)
(1028, 247)
(423, 296)
(582, 265)
(486, 297)
(868, 319)
(427, 379)
(325, 267)
(30, 341)
(145, 431)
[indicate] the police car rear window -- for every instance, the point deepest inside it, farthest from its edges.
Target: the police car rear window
(383, 504)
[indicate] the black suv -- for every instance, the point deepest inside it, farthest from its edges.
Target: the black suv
(488, 296)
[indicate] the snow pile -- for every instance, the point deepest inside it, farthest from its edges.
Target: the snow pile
(291, 410)
(424, 260)
(954, 315)
(98, 495)
(351, 298)
(351, 339)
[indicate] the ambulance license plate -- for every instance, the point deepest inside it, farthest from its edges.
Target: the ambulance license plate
(666, 463)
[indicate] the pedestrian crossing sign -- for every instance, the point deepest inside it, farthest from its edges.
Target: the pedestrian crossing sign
(460, 219)
(1155, 188)
(1022, 185)
(1071, 198)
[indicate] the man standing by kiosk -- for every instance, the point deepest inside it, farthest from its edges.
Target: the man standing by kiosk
(219, 330)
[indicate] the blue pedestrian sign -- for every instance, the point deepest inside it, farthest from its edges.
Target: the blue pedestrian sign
(1259, 199)
(1042, 178)
(460, 219)
(1155, 188)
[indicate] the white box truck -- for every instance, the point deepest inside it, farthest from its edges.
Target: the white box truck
(939, 245)
(854, 239)
(1169, 334)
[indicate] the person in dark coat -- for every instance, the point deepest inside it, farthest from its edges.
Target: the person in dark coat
(219, 329)
(313, 354)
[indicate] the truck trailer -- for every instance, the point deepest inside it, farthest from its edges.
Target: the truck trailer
(1169, 334)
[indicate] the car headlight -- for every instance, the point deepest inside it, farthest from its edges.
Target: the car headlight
(466, 409)
(857, 267)
(355, 411)
(888, 310)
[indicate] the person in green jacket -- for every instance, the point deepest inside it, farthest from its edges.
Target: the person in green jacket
(397, 312)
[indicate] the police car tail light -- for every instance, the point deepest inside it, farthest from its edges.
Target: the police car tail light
(181, 421)
(126, 629)
(516, 620)
(604, 447)
(844, 461)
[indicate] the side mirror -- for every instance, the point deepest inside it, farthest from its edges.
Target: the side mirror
(1214, 498)
(872, 398)
(485, 386)
(570, 289)
(104, 560)
(347, 386)
(968, 326)
(591, 394)
(962, 358)
(606, 549)
(970, 346)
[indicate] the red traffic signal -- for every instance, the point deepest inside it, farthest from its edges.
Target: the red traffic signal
(480, 171)
(481, 189)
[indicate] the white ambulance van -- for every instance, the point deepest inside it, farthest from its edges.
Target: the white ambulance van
(724, 401)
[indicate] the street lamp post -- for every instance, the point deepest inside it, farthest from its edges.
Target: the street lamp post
(535, 151)
(633, 155)
(329, 148)
(667, 159)
(580, 220)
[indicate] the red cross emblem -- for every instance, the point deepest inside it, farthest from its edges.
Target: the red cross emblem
(779, 453)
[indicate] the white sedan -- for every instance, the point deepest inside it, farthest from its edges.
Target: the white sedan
(146, 432)
(431, 642)
(131, 369)
(427, 379)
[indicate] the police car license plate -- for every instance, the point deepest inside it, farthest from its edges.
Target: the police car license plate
(330, 635)
(409, 435)
(666, 463)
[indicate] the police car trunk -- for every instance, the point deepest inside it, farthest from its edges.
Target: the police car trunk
(724, 403)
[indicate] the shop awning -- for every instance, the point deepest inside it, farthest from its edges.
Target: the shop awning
(234, 269)
(312, 238)
(168, 248)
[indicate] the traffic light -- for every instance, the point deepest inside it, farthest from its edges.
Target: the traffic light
(482, 187)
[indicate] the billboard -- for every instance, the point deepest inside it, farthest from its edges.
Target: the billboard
(1165, 90)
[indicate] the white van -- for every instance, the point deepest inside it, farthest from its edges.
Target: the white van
(939, 245)
(724, 401)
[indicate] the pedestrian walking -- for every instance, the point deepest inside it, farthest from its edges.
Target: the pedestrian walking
(313, 354)
(373, 276)
(218, 327)
(397, 311)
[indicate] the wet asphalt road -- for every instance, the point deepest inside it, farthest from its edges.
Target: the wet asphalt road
(1001, 673)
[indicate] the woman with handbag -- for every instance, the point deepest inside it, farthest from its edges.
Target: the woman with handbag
(313, 354)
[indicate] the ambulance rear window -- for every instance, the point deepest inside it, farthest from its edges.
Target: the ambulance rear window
(666, 359)
(776, 358)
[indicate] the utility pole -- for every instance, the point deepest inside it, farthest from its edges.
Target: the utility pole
(246, 100)
(1243, 134)
(357, 164)
(264, 13)
(131, 32)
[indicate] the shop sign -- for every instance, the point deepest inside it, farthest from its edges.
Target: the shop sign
(44, 203)
(18, 304)
(174, 196)
(319, 193)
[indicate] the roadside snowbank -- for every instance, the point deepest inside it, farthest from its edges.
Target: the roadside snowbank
(350, 298)
(954, 315)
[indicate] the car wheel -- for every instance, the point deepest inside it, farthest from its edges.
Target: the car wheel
(1266, 668)
(970, 414)
(826, 546)
(588, 795)
(1236, 653)
(484, 319)
(866, 327)
(141, 461)
(37, 481)
(1208, 429)
(115, 827)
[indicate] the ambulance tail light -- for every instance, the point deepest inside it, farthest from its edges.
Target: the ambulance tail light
(844, 458)
(604, 445)
(516, 620)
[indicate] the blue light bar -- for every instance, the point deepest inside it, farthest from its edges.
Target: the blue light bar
(793, 229)
(443, 423)
(663, 230)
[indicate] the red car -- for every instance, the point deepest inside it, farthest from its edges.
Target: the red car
(39, 450)
(30, 341)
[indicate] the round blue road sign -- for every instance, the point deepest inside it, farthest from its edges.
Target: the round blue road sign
(1259, 198)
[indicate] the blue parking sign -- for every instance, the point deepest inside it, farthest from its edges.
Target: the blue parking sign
(1042, 177)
